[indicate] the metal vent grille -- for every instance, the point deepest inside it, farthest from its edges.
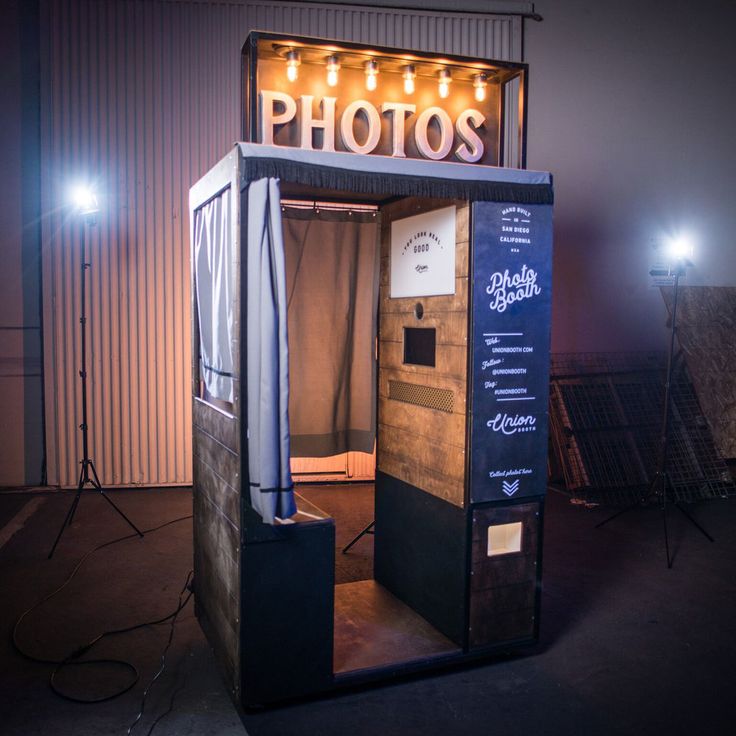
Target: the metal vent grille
(429, 397)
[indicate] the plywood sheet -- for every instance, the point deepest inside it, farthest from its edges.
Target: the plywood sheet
(706, 329)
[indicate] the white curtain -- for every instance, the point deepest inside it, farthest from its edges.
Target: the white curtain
(271, 487)
(213, 279)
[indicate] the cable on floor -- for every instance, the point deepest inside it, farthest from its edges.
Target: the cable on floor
(71, 659)
(187, 584)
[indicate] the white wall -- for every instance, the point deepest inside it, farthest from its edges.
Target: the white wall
(631, 108)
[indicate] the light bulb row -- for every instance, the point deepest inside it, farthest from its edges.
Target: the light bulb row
(408, 73)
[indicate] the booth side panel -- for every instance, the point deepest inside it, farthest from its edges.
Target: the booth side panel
(422, 408)
(217, 535)
(216, 449)
(505, 573)
(288, 612)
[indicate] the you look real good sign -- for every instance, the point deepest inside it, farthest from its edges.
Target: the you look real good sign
(423, 254)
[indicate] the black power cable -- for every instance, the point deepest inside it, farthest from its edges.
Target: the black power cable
(187, 584)
(71, 659)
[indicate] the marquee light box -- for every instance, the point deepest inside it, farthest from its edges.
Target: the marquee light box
(315, 95)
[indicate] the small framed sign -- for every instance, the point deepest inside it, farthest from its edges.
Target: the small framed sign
(423, 254)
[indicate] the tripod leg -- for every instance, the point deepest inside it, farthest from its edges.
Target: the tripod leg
(616, 515)
(365, 531)
(666, 538)
(67, 521)
(130, 523)
(695, 523)
(95, 481)
(80, 487)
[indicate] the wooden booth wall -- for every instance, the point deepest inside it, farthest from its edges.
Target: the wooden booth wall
(417, 444)
(706, 330)
(143, 97)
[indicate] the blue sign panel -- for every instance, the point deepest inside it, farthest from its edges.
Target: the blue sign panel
(512, 275)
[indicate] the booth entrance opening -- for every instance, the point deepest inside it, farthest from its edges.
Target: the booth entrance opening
(349, 350)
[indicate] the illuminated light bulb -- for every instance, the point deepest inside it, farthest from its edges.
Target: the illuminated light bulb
(333, 67)
(292, 62)
(85, 200)
(444, 78)
(479, 84)
(409, 77)
(371, 74)
(680, 248)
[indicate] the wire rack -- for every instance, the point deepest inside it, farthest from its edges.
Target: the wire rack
(605, 423)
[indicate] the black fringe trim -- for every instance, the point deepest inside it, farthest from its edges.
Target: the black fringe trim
(402, 185)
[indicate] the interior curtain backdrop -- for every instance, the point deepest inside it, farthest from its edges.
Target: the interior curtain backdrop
(213, 278)
(267, 359)
(332, 266)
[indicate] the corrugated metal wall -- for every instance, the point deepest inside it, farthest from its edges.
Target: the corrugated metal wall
(144, 97)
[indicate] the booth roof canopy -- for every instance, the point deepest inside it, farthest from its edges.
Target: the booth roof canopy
(392, 177)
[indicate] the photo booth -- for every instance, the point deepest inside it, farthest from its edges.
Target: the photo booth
(417, 318)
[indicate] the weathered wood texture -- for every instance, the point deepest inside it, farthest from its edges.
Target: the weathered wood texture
(422, 446)
(373, 628)
(706, 330)
(216, 461)
(504, 588)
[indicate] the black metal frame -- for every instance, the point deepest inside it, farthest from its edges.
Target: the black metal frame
(661, 484)
(87, 473)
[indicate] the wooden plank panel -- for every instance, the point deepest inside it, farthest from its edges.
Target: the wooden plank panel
(451, 327)
(213, 453)
(487, 629)
(504, 598)
(215, 530)
(212, 593)
(504, 587)
(441, 457)
(430, 424)
(516, 567)
(451, 360)
(220, 493)
(420, 446)
(421, 477)
(223, 427)
(223, 646)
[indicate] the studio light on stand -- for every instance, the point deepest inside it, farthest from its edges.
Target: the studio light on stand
(86, 209)
(678, 255)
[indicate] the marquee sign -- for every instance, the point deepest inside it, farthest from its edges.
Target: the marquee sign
(322, 95)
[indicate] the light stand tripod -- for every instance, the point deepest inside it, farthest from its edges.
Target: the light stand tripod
(87, 473)
(661, 484)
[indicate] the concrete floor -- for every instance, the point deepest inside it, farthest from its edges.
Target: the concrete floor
(627, 646)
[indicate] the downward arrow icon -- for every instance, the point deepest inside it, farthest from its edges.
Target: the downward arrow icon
(510, 488)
